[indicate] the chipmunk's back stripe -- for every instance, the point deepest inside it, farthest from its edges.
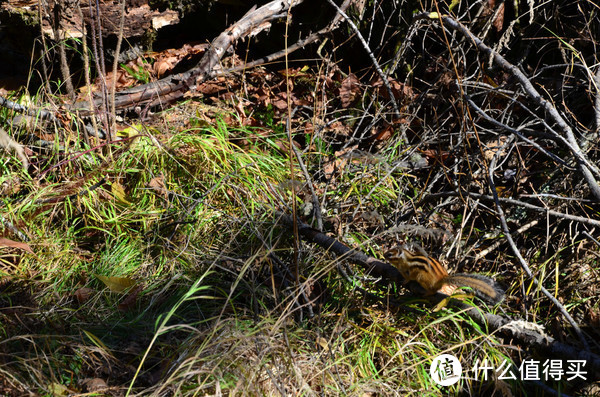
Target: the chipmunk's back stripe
(426, 263)
(437, 268)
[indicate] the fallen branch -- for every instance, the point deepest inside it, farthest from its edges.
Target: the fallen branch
(172, 88)
(299, 44)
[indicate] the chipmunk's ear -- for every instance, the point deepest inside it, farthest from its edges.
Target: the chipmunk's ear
(393, 252)
(415, 248)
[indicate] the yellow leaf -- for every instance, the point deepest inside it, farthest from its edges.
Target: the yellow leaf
(57, 390)
(119, 192)
(442, 304)
(130, 131)
(323, 343)
(116, 284)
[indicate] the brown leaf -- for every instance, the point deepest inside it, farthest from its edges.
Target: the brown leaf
(399, 90)
(4, 242)
(93, 385)
(384, 134)
(340, 128)
(499, 21)
(494, 146)
(436, 155)
(280, 102)
(211, 87)
(162, 66)
(83, 294)
(349, 90)
(130, 300)
(158, 185)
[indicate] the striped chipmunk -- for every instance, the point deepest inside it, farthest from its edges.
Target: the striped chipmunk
(415, 265)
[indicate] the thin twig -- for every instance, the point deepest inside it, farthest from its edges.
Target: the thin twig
(113, 87)
(485, 252)
(288, 127)
(585, 233)
(597, 103)
(309, 182)
(514, 202)
(513, 131)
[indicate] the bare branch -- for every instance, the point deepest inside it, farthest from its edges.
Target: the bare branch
(520, 203)
(174, 87)
(513, 131)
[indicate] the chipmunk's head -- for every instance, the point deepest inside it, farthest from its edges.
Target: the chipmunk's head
(404, 252)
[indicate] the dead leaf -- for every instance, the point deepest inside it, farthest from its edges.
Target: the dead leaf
(58, 390)
(162, 66)
(119, 192)
(441, 156)
(116, 284)
(494, 146)
(211, 87)
(158, 185)
(323, 343)
(95, 384)
(384, 133)
(349, 90)
(4, 242)
(83, 294)
(12, 186)
(130, 300)
(280, 101)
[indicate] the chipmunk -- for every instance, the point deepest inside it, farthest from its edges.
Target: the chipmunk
(416, 265)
